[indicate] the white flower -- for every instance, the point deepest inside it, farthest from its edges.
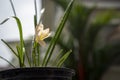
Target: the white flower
(41, 34)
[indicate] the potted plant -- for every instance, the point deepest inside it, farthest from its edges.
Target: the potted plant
(36, 70)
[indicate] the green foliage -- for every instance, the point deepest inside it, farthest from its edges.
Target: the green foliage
(21, 46)
(86, 31)
(21, 50)
(57, 35)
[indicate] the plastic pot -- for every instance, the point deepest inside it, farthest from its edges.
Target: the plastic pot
(37, 73)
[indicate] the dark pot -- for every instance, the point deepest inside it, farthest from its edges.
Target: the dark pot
(37, 73)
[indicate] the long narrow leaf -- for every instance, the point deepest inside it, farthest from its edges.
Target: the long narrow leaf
(7, 61)
(57, 34)
(9, 47)
(28, 59)
(13, 8)
(63, 58)
(4, 21)
(57, 57)
(18, 51)
(19, 58)
(35, 22)
(60, 28)
(20, 34)
(38, 55)
(36, 15)
(21, 38)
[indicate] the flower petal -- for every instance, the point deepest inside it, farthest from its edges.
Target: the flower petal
(39, 28)
(42, 43)
(41, 34)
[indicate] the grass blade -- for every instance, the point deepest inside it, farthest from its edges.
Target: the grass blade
(7, 61)
(19, 58)
(57, 34)
(35, 21)
(63, 58)
(4, 21)
(21, 39)
(9, 47)
(21, 36)
(21, 53)
(13, 8)
(28, 59)
(36, 15)
(57, 57)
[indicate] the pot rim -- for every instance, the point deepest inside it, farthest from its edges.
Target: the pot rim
(63, 69)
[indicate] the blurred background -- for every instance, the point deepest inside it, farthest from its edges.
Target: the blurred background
(92, 32)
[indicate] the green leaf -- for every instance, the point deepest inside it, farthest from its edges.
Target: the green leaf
(13, 8)
(19, 58)
(63, 58)
(35, 20)
(21, 53)
(9, 47)
(57, 34)
(21, 39)
(7, 61)
(18, 51)
(28, 59)
(57, 57)
(4, 21)
(35, 17)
